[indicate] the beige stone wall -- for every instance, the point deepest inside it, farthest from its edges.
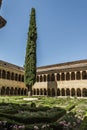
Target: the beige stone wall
(11, 83)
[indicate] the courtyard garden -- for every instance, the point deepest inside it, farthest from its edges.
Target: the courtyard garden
(46, 113)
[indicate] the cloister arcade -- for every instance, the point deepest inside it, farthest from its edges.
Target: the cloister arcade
(11, 79)
(12, 91)
(67, 79)
(11, 76)
(61, 92)
(77, 75)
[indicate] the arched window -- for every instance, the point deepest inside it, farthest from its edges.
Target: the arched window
(72, 92)
(48, 77)
(53, 92)
(37, 91)
(63, 92)
(34, 91)
(8, 75)
(67, 76)
(12, 76)
(67, 92)
(78, 92)
(3, 74)
(78, 75)
(58, 92)
(84, 92)
(44, 78)
(84, 75)
(19, 79)
(62, 76)
(52, 77)
(41, 92)
(41, 78)
(7, 91)
(22, 78)
(58, 77)
(45, 92)
(73, 76)
(49, 92)
(16, 77)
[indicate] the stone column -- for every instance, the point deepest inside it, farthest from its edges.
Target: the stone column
(81, 74)
(75, 75)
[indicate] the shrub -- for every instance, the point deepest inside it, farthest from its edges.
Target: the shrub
(33, 105)
(84, 124)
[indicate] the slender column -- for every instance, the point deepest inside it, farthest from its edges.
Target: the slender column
(70, 75)
(65, 75)
(60, 76)
(55, 76)
(65, 91)
(75, 75)
(81, 74)
(76, 92)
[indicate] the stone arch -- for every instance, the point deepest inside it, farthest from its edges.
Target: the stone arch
(84, 75)
(12, 91)
(19, 77)
(37, 78)
(34, 91)
(58, 92)
(3, 74)
(22, 91)
(25, 91)
(41, 79)
(3, 90)
(72, 92)
(78, 92)
(52, 77)
(8, 75)
(72, 75)
(44, 78)
(37, 91)
(22, 78)
(62, 76)
(19, 91)
(78, 75)
(41, 91)
(15, 91)
(63, 92)
(48, 77)
(67, 92)
(49, 92)
(45, 92)
(12, 76)
(7, 91)
(67, 76)
(16, 77)
(53, 92)
(58, 77)
(84, 92)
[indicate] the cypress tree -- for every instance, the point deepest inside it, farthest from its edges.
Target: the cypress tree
(30, 58)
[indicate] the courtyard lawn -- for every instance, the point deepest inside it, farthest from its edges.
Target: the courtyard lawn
(46, 113)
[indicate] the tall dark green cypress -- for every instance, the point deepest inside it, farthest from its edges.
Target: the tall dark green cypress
(30, 58)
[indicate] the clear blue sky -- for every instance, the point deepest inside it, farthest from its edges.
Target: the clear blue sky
(61, 28)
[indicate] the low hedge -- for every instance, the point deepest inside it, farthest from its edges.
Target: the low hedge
(45, 118)
(84, 124)
(70, 107)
